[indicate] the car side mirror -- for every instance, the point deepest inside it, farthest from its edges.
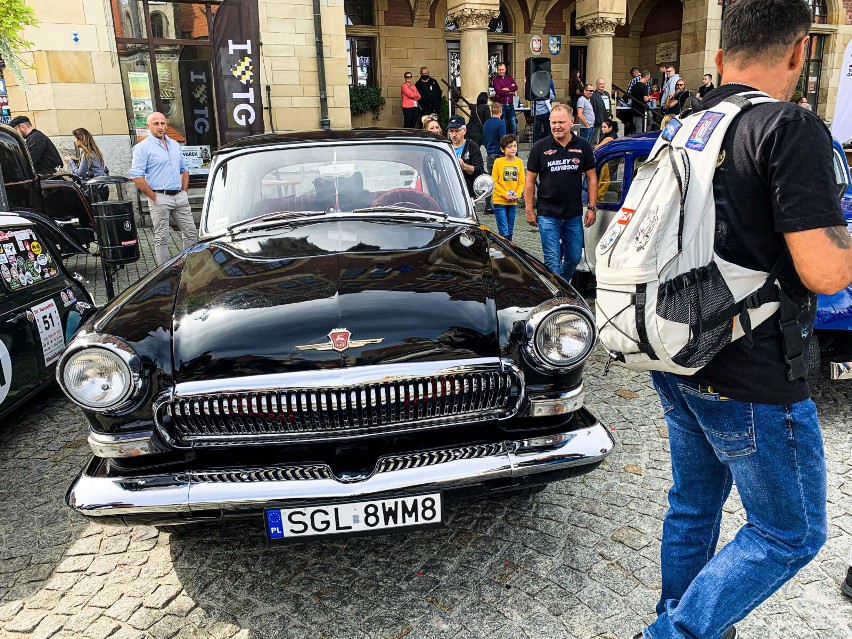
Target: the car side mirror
(482, 186)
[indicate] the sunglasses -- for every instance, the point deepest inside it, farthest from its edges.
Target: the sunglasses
(407, 77)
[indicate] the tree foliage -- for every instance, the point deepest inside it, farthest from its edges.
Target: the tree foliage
(15, 15)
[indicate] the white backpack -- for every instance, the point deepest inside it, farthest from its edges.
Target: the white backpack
(665, 300)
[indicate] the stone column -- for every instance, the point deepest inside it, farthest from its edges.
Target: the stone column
(699, 41)
(600, 32)
(473, 29)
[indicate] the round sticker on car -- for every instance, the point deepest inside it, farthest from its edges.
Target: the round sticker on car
(5, 371)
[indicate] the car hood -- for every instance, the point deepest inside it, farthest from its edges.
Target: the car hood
(267, 302)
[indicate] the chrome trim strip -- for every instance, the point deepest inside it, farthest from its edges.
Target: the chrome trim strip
(561, 404)
(840, 370)
(176, 496)
(124, 445)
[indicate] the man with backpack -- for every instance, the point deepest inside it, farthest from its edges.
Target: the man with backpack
(746, 415)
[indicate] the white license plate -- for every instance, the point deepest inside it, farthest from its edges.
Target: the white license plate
(358, 517)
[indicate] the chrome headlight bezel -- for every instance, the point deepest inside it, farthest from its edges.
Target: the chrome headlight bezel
(537, 318)
(129, 398)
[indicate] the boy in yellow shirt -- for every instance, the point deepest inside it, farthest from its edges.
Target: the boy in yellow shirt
(508, 176)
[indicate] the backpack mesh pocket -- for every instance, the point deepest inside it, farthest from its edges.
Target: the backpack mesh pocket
(697, 299)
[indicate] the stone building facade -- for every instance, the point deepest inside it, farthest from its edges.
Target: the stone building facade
(103, 64)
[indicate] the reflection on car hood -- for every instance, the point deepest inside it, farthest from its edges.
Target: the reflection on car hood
(266, 302)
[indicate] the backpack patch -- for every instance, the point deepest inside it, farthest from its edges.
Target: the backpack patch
(700, 135)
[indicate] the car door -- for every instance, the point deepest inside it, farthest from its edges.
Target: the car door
(37, 303)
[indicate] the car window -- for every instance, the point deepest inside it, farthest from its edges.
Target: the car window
(638, 161)
(24, 259)
(338, 178)
(840, 174)
(611, 181)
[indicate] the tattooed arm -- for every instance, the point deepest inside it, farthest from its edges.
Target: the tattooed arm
(822, 257)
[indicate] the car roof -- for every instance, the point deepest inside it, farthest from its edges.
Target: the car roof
(356, 135)
(13, 219)
(637, 142)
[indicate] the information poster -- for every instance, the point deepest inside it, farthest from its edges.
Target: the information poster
(140, 97)
(197, 159)
(666, 52)
(49, 330)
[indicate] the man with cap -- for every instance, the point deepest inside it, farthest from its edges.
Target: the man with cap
(467, 151)
(46, 159)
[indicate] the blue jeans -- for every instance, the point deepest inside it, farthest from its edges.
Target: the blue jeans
(561, 243)
(774, 453)
(505, 216)
(541, 128)
(511, 120)
(586, 134)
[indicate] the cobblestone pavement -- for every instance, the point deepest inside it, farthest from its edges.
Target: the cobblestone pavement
(578, 560)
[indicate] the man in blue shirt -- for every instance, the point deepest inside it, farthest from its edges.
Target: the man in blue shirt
(493, 129)
(160, 172)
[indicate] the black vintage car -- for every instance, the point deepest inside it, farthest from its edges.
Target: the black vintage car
(57, 202)
(41, 307)
(344, 348)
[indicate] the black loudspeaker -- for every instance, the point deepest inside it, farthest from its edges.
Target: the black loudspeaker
(537, 75)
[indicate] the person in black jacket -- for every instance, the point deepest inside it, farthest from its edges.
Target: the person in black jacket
(46, 159)
(602, 105)
(430, 93)
(478, 115)
(467, 151)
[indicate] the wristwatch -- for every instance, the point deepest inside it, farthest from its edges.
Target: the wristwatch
(593, 209)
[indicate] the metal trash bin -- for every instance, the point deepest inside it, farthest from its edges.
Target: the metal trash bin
(117, 236)
(115, 227)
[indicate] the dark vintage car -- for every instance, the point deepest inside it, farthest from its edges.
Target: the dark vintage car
(41, 307)
(344, 348)
(617, 163)
(57, 202)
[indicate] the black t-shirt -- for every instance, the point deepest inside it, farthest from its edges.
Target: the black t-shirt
(702, 90)
(775, 176)
(639, 91)
(560, 175)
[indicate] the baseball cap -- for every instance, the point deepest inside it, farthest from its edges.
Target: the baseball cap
(20, 119)
(456, 122)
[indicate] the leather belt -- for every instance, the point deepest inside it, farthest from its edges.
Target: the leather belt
(167, 191)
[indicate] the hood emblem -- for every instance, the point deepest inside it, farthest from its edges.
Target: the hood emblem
(339, 339)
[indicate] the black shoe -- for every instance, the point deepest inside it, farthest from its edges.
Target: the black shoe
(846, 588)
(730, 634)
(488, 211)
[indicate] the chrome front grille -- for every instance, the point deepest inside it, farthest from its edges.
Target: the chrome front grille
(385, 399)
(300, 472)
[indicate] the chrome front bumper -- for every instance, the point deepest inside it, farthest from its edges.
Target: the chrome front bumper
(179, 497)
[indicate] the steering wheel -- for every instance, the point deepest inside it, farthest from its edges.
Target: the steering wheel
(407, 197)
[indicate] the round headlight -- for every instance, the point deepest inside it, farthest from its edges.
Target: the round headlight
(563, 338)
(96, 378)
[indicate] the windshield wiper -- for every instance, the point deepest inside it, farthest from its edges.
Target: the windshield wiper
(272, 215)
(403, 209)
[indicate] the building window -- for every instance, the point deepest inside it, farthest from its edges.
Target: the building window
(812, 69)
(581, 33)
(358, 12)
(361, 61)
(169, 70)
(819, 11)
(158, 25)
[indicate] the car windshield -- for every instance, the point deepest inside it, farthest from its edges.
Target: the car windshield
(392, 177)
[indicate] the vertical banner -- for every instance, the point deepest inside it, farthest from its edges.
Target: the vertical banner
(236, 67)
(841, 125)
(196, 91)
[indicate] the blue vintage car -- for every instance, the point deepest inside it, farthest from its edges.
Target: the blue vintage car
(617, 163)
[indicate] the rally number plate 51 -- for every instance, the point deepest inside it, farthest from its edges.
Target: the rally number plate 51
(357, 517)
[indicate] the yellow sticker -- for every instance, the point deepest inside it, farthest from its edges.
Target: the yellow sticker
(35, 247)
